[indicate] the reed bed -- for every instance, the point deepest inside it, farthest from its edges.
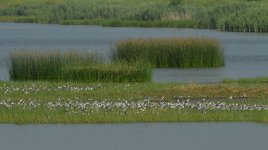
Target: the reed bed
(224, 15)
(251, 20)
(73, 66)
(171, 52)
(40, 65)
(132, 23)
(115, 72)
(26, 65)
(234, 16)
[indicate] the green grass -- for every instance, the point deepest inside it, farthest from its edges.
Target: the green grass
(8, 18)
(73, 66)
(52, 117)
(30, 65)
(45, 92)
(258, 80)
(236, 16)
(115, 72)
(49, 90)
(132, 23)
(40, 65)
(251, 20)
(224, 15)
(17, 19)
(132, 61)
(171, 52)
(20, 2)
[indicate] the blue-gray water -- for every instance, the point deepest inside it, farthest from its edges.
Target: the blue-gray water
(160, 136)
(246, 54)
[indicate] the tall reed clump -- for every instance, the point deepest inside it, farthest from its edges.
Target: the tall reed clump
(40, 65)
(31, 65)
(171, 52)
(254, 19)
(234, 16)
(115, 72)
(73, 66)
(209, 16)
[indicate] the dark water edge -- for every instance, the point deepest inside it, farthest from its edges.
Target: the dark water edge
(246, 54)
(159, 136)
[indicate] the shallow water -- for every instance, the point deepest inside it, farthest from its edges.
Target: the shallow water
(186, 136)
(246, 54)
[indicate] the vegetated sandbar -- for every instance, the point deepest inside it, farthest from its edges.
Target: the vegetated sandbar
(74, 102)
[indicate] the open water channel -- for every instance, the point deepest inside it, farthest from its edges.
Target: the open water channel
(160, 136)
(246, 54)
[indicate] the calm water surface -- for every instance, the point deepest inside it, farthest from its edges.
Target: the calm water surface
(186, 136)
(246, 54)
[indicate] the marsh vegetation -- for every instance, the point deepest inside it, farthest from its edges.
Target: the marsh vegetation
(48, 102)
(79, 87)
(82, 96)
(172, 52)
(132, 61)
(73, 66)
(230, 15)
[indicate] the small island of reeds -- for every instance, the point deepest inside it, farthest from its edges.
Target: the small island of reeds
(171, 52)
(73, 66)
(132, 61)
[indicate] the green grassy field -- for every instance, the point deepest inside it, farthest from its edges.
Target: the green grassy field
(224, 15)
(70, 102)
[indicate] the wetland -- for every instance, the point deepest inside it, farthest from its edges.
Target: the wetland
(121, 74)
(243, 52)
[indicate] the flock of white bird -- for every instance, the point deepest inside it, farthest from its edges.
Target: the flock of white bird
(84, 106)
(77, 105)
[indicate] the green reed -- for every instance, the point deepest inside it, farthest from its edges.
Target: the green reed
(132, 23)
(73, 66)
(26, 65)
(224, 15)
(249, 20)
(171, 52)
(115, 72)
(38, 65)
(234, 16)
